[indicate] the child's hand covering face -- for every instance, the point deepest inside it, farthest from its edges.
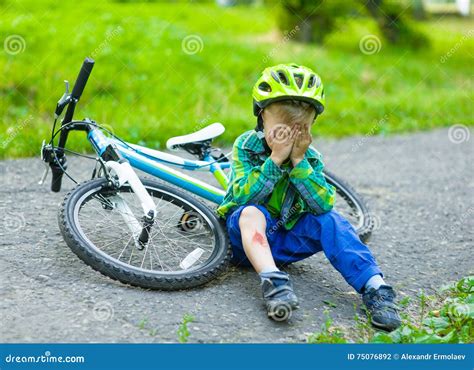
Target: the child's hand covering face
(280, 139)
(289, 141)
(301, 143)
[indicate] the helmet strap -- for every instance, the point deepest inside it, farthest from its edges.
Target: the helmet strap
(261, 134)
(259, 127)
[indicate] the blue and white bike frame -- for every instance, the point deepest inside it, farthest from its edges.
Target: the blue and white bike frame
(157, 164)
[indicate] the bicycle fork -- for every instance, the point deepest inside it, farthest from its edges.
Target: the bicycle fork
(121, 173)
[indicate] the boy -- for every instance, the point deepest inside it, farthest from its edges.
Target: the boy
(278, 207)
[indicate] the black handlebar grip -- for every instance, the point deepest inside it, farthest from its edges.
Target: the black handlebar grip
(82, 78)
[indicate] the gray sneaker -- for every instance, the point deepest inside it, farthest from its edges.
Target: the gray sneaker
(383, 311)
(278, 295)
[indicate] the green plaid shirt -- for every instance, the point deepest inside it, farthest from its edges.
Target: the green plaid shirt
(286, 191)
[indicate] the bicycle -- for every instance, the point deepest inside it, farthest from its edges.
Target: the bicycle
(143, 232)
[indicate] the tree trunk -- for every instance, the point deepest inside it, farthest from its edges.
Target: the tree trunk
(306, 31)
(419, 10)
(387, 22)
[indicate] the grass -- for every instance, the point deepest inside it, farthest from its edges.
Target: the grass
(183, 330)
(147, 88)
(446, 317)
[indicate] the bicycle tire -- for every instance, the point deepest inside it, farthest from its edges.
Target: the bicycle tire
(132, 275)
(356, 202)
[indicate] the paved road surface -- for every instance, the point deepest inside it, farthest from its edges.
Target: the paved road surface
(419, 186)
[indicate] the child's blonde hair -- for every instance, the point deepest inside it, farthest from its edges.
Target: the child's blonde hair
(293, 111)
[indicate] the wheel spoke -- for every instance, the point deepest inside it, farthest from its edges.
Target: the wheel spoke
(171, 238)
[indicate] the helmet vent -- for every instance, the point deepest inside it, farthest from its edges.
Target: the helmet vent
(264, 86)
(298, 80)
(318, 81)
(283, 78)
(311, 81)
(275, 76)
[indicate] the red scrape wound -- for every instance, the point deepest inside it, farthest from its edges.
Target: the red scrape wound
(259, 239)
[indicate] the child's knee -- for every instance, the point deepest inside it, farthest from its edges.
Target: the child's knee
(251, 215)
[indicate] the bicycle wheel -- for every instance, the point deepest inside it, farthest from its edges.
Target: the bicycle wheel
(352, 206)
(97, 222)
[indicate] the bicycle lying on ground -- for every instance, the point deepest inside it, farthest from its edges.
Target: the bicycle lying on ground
(143, 232)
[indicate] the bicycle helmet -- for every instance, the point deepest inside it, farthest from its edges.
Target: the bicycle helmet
(288, 82)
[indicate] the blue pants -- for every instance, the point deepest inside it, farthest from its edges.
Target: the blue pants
(329, 232)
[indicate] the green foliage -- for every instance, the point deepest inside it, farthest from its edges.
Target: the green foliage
(328, 333)
(363, 329)
(404, 302)
(317, 19)
(391, 19)
(183, 331)
(142, 324)
(329, 303)
(445, 318)
(146, 88)
(452, 323)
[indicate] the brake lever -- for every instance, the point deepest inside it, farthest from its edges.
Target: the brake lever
(46, 169)
(63, 101)
(44, 175)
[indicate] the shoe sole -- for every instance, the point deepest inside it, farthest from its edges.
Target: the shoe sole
(383, 326)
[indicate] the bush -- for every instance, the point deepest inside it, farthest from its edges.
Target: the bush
(315, 25)
(317, 19)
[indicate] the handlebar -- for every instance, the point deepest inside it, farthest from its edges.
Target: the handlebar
(82, 78)
(55, 156)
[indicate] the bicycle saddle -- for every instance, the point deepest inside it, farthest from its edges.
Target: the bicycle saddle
(199, 137)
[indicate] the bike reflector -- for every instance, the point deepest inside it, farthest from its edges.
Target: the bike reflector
(191, 258)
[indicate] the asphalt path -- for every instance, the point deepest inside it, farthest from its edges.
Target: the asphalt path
(419, 186)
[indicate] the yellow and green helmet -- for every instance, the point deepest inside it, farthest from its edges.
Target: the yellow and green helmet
(288, 82)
